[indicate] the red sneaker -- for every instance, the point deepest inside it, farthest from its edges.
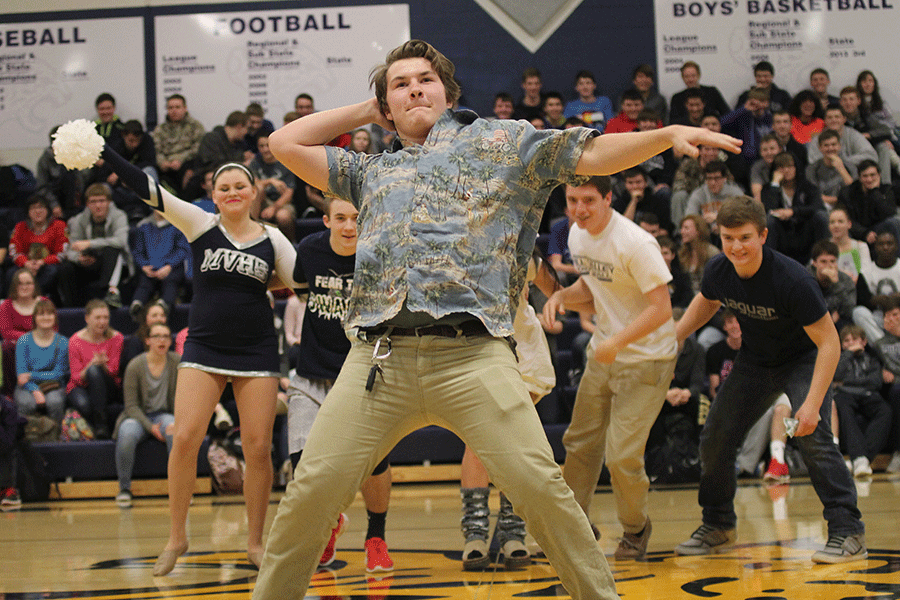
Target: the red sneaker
(377, 557)
(10, 500)
(328, 555)
(777, 472)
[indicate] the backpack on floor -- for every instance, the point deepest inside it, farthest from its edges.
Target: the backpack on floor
(32, 476)
(677, 459)
(226, 463)
(75, 428)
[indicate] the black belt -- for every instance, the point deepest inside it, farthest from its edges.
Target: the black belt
(464, 329)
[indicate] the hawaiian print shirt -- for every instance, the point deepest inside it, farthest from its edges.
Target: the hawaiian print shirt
(449, 226)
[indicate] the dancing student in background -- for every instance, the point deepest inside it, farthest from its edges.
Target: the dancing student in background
(325, 262)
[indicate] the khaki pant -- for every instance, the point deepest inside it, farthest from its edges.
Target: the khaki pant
(615, 408)
(472, 387)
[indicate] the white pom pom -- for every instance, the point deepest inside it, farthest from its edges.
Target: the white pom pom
(77, 145)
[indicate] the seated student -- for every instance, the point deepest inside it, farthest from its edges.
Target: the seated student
(642, 81)
(531, 106)
(276, 187)
(696, 249)
(660, 169)
(626, 120)
(819, 80)
(712, 97)
(558, 254)
(98, 255)
(763, 75)
(150, 314)
(42, 365)
(870, 204)
(706, 199)
(694, 108)
(749, 122)
(44, 232)
(873, 104)
(865, 417)
(781, 127)
(552, 108)
(639, 198)
(257, 126)
(796, 215)
(503, 106)
(837, 287)
(854, 254)
(807, 116)
(61, 186)
(137, 147)
(688, 177)
(594, 110)
(680, 287)
(94, 355)
(761, 171)
(853, 147)
(888, 350)
(878, 134)
(149, 394)
(163, 256)
(830, 172)
(16, 319)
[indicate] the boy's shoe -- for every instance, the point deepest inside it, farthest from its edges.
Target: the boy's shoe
(377, 557)
(10, 499)
(707, 540)
(113, 298)
(777, 472)
(221, 418)
(123, 499)
(632, 545)
(894, 465)
(861, 467)
(475, 555)
(328, 555)
(135, 310)
(842, 548)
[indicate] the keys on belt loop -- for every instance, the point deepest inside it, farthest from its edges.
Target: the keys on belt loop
(378, 356)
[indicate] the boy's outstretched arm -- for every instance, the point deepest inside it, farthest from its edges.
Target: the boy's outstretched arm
(614, 152)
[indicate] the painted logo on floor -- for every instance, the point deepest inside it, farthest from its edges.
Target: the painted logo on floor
(770, 571)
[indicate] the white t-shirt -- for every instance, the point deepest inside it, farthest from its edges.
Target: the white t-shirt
(620, 265)
(882, 281)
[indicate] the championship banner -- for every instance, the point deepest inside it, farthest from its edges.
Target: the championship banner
(52, 71)
(727, 37)
(220, 62)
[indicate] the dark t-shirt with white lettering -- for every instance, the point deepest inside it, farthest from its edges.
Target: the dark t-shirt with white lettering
(323, 343)
(773, 306)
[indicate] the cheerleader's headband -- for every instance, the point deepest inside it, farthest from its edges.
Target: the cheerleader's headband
(233, 165)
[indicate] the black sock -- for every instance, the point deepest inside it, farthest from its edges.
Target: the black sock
(376, 525)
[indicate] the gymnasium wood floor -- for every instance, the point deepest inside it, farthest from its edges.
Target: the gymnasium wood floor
(93, 549)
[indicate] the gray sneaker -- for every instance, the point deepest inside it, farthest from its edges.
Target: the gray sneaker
(842, 548)
(707, 540)
(633, 546)
(894, 465)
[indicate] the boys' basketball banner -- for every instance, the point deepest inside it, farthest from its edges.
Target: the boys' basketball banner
(51, 72)
(727, 37)
(270, 56)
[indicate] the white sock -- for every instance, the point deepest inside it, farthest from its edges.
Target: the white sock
(776, 449)
(837, 442)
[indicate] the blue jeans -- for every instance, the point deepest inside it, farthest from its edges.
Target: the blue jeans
(130, 434)
(743, 398)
